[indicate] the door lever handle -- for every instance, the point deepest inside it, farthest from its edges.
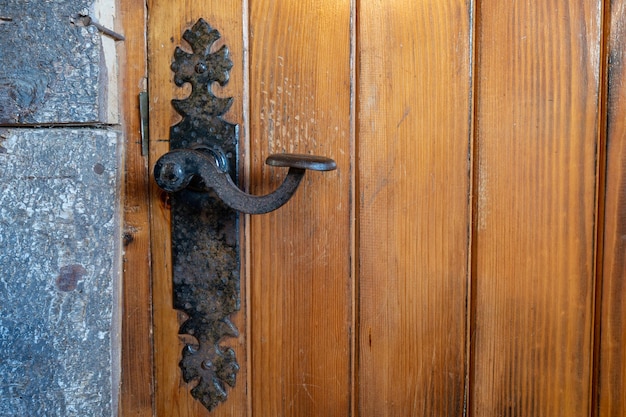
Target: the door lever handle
(205, 230)
(177, 169)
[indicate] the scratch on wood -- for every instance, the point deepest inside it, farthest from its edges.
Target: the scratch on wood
(406, 113)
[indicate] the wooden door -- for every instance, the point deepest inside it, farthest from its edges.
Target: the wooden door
(466, 258)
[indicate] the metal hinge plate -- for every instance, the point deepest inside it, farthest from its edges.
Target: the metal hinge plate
(145, 122)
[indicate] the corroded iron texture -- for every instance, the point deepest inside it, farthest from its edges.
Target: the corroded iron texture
(182, 168)
(201, 173)
(205, 232)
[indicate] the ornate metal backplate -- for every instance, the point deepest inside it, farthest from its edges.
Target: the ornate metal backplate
(200, 172)
(205, 232)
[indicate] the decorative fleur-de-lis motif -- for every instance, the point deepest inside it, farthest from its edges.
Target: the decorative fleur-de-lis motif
(205, 255)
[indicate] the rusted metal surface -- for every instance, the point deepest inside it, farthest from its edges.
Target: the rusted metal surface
(205, 232)
(178, 169)
(201, 173)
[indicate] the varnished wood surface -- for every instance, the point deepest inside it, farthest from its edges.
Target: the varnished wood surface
(301, 288)
(612, 360)
(449, 261)
(166, 24)
(414, 80)
(538, 75)
(137, 385)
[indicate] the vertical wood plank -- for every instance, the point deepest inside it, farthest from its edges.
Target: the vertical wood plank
(538, 73)
(167, 22)
(414, 103)
(612, 360)
(136, 395)
(300, 254)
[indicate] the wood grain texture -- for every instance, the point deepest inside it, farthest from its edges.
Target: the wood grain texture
(538, 72)
(414, 81)
(136, 394)
(440, 214)
(167, 22)
(612, 360)
(300, 255)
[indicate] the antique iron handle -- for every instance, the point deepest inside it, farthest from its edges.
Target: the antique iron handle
(205, 228)
(177, 169)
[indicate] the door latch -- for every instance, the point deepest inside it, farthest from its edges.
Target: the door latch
(200, 172)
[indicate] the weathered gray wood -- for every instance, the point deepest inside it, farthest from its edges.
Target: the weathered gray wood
(59, 279)
(52, 70)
